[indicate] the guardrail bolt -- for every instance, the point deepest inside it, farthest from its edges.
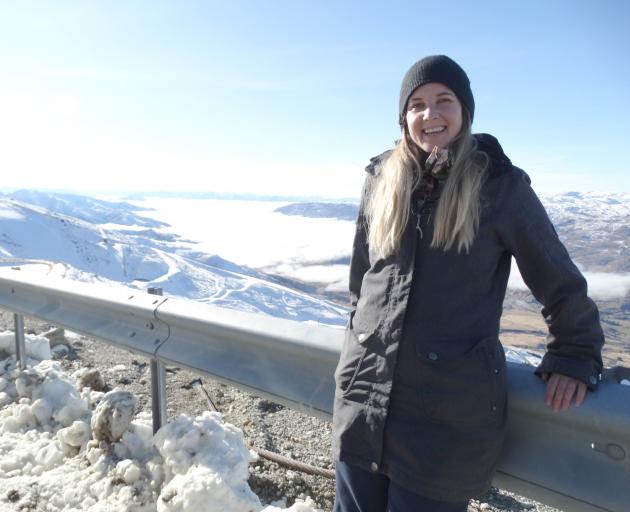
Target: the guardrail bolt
(614, 451)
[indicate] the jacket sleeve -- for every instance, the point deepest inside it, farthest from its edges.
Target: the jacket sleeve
(360, 259)
(575, 335)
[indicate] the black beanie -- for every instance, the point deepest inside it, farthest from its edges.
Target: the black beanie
(436, 68)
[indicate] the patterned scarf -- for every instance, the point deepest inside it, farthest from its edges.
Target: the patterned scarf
(435, 169)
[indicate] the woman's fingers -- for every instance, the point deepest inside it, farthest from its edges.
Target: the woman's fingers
(561, 390)
(581, 394)
(569, 391)
(552, 384)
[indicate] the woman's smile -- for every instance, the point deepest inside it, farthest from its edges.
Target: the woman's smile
(433, 131)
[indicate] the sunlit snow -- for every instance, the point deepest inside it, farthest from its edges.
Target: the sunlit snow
(68, 449)
(223, 251)
(252, 233)
(78, 249)
(65, 446)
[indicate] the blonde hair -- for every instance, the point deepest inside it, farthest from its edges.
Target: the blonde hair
(458, 211)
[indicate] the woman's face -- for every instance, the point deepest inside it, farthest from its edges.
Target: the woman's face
(434, 116)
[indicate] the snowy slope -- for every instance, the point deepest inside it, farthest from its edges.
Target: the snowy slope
(29, 231)
(595, 228)
(306, 242)
(144, 258)
(86, 208)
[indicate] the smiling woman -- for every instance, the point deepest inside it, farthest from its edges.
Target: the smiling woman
(420, 404)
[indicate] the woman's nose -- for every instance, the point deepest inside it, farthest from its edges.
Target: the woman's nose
(430, 112)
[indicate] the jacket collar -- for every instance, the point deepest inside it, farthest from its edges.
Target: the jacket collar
(499, 162)
(374, 167)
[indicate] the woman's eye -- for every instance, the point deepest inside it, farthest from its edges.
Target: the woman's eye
(416, 106)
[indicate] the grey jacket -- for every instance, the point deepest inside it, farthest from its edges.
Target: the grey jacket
(444, 309)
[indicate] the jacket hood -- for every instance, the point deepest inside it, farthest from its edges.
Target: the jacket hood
(374, 166)
(499, 162)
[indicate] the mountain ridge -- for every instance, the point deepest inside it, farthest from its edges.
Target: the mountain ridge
(131, 257)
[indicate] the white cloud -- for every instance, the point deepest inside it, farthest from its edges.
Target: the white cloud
(607, 286)
(601, 285)
(251, 233)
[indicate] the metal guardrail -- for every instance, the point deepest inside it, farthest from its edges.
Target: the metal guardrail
(578, 460)
(288, 362)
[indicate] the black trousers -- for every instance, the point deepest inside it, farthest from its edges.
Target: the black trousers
(363, 491)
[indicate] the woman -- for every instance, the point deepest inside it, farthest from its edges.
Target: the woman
(420, 404)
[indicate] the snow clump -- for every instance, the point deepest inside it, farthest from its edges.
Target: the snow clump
(66, 446)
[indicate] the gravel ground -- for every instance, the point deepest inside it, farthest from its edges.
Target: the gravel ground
(266, 425)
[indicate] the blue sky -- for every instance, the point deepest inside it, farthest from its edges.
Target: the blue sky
(294, 97)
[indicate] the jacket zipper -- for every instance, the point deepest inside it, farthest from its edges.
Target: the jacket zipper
(418, 227)
(421, 206)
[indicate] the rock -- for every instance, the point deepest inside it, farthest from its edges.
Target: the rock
(60, 350)
(113, 415)
(93, 379)
(56, 336)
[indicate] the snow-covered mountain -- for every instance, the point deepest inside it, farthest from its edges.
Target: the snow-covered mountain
(126, 243)
(595, 227)
(87, 208)
(142, 257)
(340, 211)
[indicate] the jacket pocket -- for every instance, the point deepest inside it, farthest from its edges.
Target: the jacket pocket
(462, 383)
(355, 370)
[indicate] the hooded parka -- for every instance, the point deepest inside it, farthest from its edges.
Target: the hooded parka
(421, 385)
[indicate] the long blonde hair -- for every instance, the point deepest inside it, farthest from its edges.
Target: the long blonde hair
(458, 211)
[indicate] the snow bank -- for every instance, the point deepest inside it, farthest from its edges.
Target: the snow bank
(37, 347)
(206, 464)
(68, 449)
(522, 356)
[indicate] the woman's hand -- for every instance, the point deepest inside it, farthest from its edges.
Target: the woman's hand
(561, 390)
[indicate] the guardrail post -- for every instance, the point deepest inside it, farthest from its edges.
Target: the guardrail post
(158, 385)
(20, 345)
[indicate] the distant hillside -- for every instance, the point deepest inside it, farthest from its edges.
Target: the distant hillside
(144, 257)
(88, 235)
(339, 211)
(87, 208)
(595, 227)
